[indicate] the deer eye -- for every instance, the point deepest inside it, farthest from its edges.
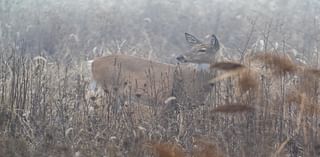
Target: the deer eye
(202, 50)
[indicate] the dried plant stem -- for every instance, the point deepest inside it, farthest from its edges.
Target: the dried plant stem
(296, 131)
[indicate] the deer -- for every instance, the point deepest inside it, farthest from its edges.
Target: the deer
(141, 76)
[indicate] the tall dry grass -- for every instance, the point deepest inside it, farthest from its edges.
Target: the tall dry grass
(267, 110)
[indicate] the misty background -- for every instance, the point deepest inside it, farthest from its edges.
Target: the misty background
(83, 29)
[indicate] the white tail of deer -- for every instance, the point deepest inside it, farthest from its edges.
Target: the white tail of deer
(140, 75)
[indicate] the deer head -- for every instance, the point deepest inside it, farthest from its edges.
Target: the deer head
(200, 52)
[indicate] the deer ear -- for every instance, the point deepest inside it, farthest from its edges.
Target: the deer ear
(214, 42)
(191, 39)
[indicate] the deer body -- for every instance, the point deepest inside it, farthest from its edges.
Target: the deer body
(146, 77)
(117, 71)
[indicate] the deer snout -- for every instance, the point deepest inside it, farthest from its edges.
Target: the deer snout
(181, 58)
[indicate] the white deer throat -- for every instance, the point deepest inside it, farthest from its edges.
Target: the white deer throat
(203, 67)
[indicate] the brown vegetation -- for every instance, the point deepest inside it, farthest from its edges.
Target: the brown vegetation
(233, 108)
(45, 106)
(227, 66)
(278, 64)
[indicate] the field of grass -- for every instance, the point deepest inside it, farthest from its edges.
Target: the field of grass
(267, 106)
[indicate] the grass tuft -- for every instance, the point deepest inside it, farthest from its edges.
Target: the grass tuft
(227, 66)
(233, 108)
(203, 148)
(279, 64)
(168, 150)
